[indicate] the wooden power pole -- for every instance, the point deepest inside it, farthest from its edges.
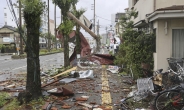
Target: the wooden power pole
(20, 25)
(94, 16)
(55, 26)
(49, 40)
(98, 26)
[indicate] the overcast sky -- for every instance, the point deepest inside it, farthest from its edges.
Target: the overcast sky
(104, 10)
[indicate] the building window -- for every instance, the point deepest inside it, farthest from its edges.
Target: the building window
(177, 43)
(5, 23)
(5, 14)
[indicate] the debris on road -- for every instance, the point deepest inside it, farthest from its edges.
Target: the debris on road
(113, 69)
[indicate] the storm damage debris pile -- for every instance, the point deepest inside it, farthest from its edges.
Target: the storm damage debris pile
(15, 83)
(113, 69)
(83, 89)
(77, 88)
(77, 91)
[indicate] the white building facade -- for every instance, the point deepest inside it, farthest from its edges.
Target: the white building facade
(165, 18)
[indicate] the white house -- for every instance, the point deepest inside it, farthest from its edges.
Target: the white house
(166, 19)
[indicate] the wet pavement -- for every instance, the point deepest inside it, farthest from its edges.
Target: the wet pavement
(9, 67)
(103, 91)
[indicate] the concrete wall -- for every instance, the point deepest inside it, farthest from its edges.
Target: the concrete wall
(147, 6)
(143, 7)
(164, 40)
(168, 3)
(130, 4)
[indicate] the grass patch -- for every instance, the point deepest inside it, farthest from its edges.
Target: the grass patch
(3, 97)
(13, 105)
(33, 105)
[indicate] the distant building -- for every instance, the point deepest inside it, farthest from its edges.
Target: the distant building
(118, 27)
(164, 18)
(8, 18)
(9, 36)
(112, 19)
(104, 38)
(51, 22)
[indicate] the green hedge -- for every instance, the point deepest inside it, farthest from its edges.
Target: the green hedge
(42, 52)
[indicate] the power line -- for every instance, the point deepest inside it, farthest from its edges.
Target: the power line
(104, 18)
(12, 12)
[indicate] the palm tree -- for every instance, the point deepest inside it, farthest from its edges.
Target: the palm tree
(67, 25)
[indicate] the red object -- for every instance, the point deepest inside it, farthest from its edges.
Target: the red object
(104, 59)
(67, 90)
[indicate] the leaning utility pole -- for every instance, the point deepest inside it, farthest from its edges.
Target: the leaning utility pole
(49, 42)
(20, 25)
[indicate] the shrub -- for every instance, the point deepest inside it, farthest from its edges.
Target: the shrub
(3, 49)
(43, 50)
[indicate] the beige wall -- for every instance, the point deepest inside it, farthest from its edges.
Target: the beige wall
(13, 35)
(164, 41)
(130, 4)
(147, 6)
(168, 3)
(5, 30)
(143, 7)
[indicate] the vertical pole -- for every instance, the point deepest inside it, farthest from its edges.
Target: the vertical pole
(20, 25)
(55, 26)
(94, 16)
(61, 17)
(49, 43)
(62, 40)
(98, 28)
(106, 35)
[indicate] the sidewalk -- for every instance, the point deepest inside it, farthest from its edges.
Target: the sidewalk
(3, 54)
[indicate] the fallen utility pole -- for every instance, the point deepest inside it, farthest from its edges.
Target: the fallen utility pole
(86, 29)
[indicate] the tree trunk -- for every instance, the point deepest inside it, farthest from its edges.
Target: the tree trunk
(66, 51)
(78, 40)
(33, 84)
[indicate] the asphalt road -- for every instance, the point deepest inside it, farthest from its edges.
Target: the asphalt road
(47, 62)
(10, 66)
